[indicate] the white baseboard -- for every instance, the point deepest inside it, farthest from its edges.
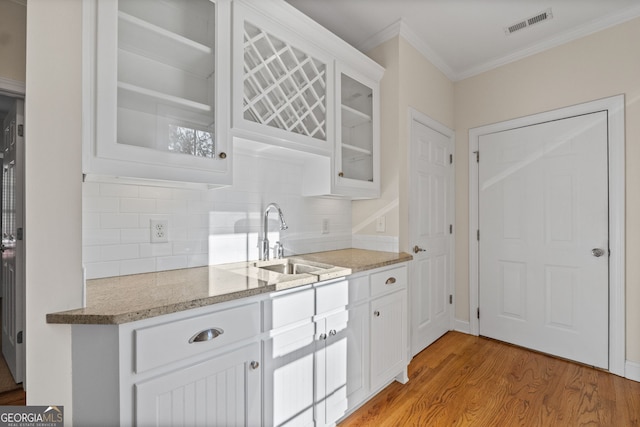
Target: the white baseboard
(462, 326)
(632, 370)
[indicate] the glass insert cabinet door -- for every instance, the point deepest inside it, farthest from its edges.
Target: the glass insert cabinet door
(356, 148)
(165, 76)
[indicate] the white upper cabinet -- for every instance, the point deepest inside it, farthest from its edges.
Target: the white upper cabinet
(282, 82)
(357, 152)
(157, 80)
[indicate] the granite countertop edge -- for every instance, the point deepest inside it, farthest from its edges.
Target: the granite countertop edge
(351, 260)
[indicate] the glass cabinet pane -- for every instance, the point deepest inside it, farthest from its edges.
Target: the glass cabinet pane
(166, 85)
(357, 130)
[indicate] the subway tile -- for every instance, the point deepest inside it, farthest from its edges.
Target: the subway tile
(111, 220)
(149, 192)
(100, 204)
(135, 235)
(118, 190)
(119, 252)
(94, 237)
(138, 266)
(148, 250)
(137, 205)
(98, 270)
(171, 206)
(171, 263)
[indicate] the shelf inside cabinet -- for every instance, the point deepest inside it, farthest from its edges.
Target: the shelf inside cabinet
(352, 117)
(146, 39)
(355, 149)
(142, 99)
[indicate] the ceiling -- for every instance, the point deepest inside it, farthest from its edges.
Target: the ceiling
(466, 37)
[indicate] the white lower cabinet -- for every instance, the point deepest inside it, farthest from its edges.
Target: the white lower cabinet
(221, 391)
(307, 356)
(388, 347)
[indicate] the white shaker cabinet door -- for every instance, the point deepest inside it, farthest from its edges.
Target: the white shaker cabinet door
(221, 391)
(387, 338)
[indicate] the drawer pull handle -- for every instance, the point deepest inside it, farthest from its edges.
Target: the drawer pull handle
(206, 335)
(323, 336)
(390, 281)
(254, 365)
(333, 332)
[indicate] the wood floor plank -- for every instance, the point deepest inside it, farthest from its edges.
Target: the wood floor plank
(462, 380)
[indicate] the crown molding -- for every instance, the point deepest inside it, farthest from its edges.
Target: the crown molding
(563, 38)
(400, 28)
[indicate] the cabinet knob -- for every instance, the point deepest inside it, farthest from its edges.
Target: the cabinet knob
(206, 335)
(341, 174)
(376, 313)
(222, 155)
(333, 332)
(254, 365)
(323, 336)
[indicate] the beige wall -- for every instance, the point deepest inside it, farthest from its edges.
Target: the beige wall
(409, 81)
(53, 194)
(601, 65)
(13, 22)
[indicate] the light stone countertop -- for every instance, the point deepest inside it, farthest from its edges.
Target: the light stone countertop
(123, 299)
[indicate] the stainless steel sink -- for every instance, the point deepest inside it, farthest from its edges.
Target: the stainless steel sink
(293, 266)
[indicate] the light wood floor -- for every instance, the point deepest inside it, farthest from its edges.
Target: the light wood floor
(462, 380)
(13, 398)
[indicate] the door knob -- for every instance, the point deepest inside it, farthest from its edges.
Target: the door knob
(417, 249)
(597, 252)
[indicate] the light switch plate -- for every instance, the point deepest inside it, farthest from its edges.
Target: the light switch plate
(325, 226)
(381, 224)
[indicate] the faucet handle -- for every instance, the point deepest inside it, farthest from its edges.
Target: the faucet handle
(278, 250)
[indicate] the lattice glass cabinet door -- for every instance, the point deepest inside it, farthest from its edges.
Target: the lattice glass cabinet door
(284, 87)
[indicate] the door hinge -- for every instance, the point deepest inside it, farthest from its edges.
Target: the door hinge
(450, 299)
(477, 153)
(478, 235)
(20, 130)
(450, 159)
(20, 233)
(478, 312)
(450, 228)
(19, 338)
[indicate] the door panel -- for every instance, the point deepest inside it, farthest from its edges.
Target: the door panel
(12, 243)
(543, 208)
(430, 213)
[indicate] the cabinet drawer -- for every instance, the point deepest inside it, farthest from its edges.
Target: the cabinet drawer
(331, 296)
(287, 309)
(162, 344)
(388, 280)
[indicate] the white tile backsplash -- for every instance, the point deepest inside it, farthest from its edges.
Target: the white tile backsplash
(206, 226)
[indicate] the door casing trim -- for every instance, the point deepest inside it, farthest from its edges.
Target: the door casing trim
(615, 107)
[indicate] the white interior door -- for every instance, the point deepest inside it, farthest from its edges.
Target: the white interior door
(12, 242)
(431, 219)
(543, 250)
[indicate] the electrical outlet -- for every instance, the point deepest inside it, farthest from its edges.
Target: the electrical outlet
(325, 226)
(159, 231)
(381, 224)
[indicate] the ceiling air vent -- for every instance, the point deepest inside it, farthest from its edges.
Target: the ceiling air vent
(521, 25)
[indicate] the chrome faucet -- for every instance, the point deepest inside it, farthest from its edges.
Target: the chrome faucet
(264, 242)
